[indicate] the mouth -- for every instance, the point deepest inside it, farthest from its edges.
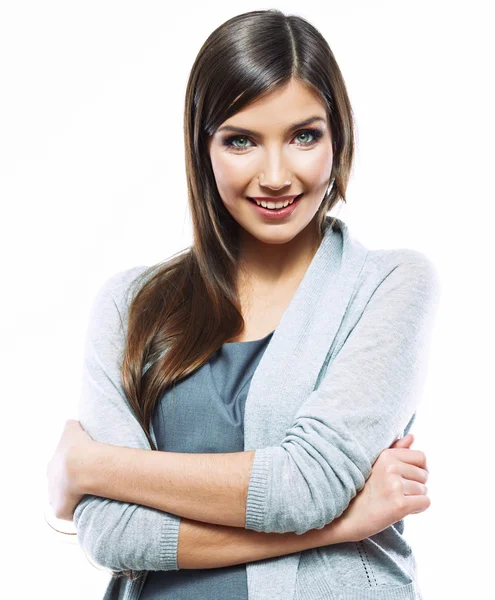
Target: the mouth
(271, 204)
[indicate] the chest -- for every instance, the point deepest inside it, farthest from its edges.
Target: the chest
(262, 308)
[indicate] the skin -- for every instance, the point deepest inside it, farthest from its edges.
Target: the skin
(275, 163)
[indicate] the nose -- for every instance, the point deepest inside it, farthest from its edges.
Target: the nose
(275, 175)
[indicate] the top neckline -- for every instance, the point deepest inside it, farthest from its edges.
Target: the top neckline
(249, 341)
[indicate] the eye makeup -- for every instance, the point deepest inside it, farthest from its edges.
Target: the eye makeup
(314, 132)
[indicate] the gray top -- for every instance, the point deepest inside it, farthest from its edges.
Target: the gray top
(204, 413)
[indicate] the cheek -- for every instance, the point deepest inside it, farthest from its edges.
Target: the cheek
(319, 168)
(229, 176)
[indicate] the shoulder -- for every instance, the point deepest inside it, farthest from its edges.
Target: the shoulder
(398, 279)
(407, 266)
(111, 302)
(119, 287)
(404, 265)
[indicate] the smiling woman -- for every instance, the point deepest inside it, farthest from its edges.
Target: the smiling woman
(234, 392)
(276, 156)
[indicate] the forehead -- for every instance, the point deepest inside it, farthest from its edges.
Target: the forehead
(280, 109)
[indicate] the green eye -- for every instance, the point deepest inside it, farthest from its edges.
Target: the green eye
(304, 133)
(239, 138)
(316, 134)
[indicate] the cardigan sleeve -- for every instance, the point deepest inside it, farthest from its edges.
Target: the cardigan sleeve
(365, 400)
(117, 535)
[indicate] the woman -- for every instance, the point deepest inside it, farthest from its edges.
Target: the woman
(276, 365)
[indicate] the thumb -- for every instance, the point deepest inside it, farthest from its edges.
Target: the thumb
(404, 442)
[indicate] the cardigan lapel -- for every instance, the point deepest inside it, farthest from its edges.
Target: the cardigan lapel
(308, 328)
(285, 377)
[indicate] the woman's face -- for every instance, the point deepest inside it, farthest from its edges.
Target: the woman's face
(273, 160)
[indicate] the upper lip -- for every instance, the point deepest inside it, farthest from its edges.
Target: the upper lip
(280, 198)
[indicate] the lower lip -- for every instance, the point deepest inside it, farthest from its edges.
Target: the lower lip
(276, 213)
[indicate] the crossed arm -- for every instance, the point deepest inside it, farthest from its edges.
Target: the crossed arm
(352, 424)
(203, 487)
(206, 490)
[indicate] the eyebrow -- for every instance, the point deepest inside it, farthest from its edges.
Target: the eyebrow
(291, 128)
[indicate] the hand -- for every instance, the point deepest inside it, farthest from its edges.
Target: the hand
(64, 492)
(396, 488)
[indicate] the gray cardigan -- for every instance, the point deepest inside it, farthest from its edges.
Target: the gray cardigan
(355, 340)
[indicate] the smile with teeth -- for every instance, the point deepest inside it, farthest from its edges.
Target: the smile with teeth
(274, 205)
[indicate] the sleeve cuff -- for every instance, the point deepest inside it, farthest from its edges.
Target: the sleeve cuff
(169, 543)
(257, 490)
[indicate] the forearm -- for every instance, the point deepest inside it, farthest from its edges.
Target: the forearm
(211, 488)
(209, 546)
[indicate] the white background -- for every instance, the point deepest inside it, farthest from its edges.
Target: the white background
(92, 181)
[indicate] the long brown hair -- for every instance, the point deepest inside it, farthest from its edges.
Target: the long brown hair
(188, 306)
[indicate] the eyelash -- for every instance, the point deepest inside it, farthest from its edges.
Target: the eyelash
(316, 133)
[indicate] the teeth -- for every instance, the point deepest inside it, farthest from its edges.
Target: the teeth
(273, 205)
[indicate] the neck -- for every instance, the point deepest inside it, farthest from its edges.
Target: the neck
(272, 264)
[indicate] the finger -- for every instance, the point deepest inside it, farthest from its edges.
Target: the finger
(408, 471)
(403, 442)
(417, 503)
(413, 457)
(411, 488)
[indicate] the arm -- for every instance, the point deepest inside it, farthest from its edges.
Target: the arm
(207, 546)
(211, 488)
(116, 535)
(389, 343)
(365, 399)
(374, 508)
